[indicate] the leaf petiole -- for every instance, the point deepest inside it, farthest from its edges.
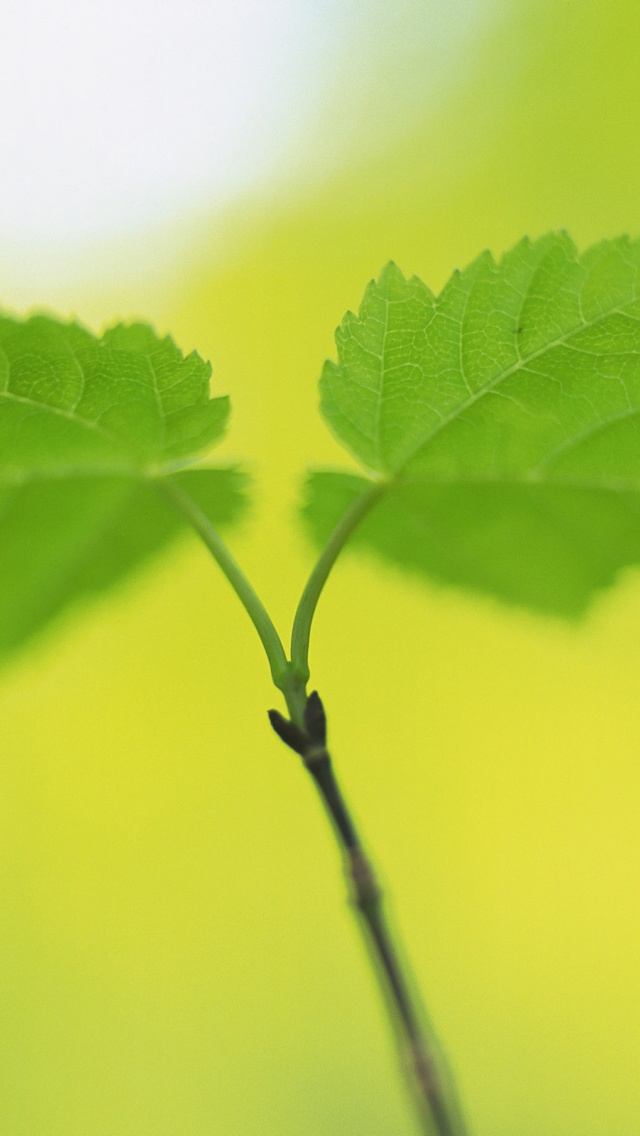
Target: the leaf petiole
(318, 578)
(258, 614)
(289, 677)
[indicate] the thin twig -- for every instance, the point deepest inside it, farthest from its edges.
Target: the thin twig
(439, 1112)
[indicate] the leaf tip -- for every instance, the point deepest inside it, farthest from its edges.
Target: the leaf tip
(391, 274)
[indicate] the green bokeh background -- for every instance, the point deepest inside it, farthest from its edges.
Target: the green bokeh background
(176, 956)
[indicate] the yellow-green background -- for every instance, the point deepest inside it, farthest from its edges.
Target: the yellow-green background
(176, 958)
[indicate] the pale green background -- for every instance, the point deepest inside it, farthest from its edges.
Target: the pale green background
(177, 958)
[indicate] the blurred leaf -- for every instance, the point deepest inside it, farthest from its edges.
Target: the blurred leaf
(503, 416)
(87, 426)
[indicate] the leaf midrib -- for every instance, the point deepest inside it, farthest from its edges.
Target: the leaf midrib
(70, 415)
(147, 474)
(520, 364)
(528, 480)
(380, 394)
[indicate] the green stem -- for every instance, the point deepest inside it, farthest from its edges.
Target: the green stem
(183, 503)
(318, 578)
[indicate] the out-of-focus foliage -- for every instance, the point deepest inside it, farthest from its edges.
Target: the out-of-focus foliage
(86, 427)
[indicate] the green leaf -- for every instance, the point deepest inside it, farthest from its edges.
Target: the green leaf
(88, 428)
(502, 416)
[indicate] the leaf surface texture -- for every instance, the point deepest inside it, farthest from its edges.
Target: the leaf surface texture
(503, 417)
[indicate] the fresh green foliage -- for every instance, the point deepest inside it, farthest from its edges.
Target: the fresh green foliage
(503, 418)
(499, 420)
(87, 426)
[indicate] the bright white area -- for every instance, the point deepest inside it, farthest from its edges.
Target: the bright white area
(120, 116)
(118, 112)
